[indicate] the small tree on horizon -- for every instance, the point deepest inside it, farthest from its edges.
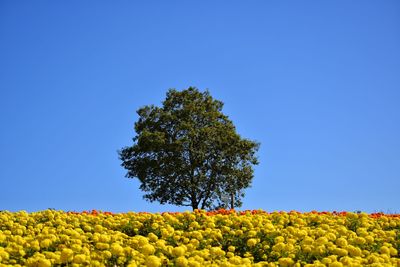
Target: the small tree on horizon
(187, 153)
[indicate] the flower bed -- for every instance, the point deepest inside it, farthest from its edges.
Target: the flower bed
(199, 238)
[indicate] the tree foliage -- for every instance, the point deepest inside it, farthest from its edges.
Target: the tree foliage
(187, 153)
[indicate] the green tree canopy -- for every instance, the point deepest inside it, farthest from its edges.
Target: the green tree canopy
(187, 153)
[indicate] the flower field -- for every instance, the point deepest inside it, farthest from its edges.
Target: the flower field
(199, 238)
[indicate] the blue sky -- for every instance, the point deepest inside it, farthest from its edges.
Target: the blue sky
(315, 82)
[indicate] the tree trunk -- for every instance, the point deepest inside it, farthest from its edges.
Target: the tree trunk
(232, 200)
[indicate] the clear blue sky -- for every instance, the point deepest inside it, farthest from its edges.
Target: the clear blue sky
(317, 83)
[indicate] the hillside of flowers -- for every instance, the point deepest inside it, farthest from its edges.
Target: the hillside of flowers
(199, 238)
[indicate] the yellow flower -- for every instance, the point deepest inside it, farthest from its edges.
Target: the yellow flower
(322, 240)
(360, 240)
(393, 251)
(340, 252)
(336, 264)
(251, 242)
(331, 236)
(132, 264)
(181, 261)
(279, 239)
(326, 260)
(384, 250)
(106, 254)
(229, 254)
(251, 233)
(354, 251)
(142, 240)
(116, 249)
(279, 247)
(307, 240)
(217, 251)
(80, 258)
(285, 262)
(43, 263)
(102, 246)
(104, 238)
(235, 260)
(153, 261)
(98, 228)
(66, 255)
(152, 237)
(319, 249)
(341, 242)
(178, 251)
(193, 263)
(369, 239)
(35, 245)
(194, 225)
(148, 249)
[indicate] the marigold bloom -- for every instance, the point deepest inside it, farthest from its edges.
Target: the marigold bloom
(66, 255)
(153, 261)
(178, 251)
(251, 242)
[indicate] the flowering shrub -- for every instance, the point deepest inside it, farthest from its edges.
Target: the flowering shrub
(199, 238)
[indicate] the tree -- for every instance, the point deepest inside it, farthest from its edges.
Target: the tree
(187, 153)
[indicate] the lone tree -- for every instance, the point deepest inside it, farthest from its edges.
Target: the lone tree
(187, 153)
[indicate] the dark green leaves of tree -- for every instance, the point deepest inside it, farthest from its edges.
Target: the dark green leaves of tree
(187, 153)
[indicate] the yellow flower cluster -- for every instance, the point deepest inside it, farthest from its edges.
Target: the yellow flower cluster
(57, 238)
